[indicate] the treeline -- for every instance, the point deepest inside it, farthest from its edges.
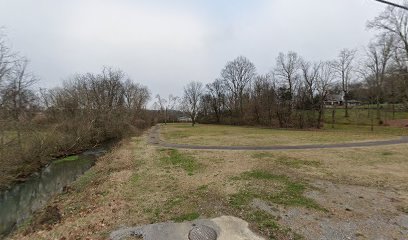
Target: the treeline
(38, 125)
(292, 96)
(97, 107)
(296, 93)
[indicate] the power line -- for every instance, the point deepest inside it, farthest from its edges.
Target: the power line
(392, 4)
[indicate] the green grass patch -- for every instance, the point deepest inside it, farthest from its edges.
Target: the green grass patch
(187, 217)
(268, 225)
(264, 221)
(84, 180)
(262, 175)
(177, 208)
(263, 155)
(172, 203)
(174, 157)
(290, 195)
(67, 159)
(286, 161)
(387, 153)
(135, 179)
(241, 199)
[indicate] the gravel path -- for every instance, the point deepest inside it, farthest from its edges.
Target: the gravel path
(154, 138)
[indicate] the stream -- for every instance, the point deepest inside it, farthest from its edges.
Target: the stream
(18, 203)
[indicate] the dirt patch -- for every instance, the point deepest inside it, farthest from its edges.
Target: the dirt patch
(353, 212)
(402, 123)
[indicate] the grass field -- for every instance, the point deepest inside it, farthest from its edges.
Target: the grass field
(302, 194)
(252, 136)
(361, 115)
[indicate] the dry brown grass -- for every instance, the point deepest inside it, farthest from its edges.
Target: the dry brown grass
(221, 135)
(132, 185)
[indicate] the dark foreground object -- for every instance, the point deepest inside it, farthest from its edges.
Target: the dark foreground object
(202, 232)
(221, 228)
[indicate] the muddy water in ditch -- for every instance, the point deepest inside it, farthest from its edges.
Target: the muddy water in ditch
(18, 203)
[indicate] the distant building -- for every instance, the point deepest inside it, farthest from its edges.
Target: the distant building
(353, 103)
(338, 100)
(334, 100)
(184, 119)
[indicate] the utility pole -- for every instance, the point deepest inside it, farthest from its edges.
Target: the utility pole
(392, 4)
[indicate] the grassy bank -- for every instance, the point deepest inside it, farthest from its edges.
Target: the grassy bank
(36, 150)
(35, 146)
(252, 136)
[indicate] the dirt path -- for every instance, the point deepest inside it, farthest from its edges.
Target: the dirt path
(154, 139)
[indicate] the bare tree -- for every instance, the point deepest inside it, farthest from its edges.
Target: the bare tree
(191, 99)
(344, 68)
(17, 93)
(263, 99)
(216, 90)
(378, 59)
(287, 73)
(287, 70)
(18, 96)
(136, 96)
(324, 81)
(310, 73)
(236, 76)
(166, 105)
(394, 22)
(7, 60)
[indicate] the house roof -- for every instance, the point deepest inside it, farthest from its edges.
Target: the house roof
(334, 97)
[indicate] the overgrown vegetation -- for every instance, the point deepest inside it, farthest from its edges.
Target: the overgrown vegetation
(174, 157)
(68, 159)
(37, 126)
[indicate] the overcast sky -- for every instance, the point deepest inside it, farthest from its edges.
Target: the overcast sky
(165, 44)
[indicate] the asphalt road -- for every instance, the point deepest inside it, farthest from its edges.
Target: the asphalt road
(154, 138)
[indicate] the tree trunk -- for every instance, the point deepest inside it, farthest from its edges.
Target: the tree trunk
(372, 119)
(241, 108)
(333, 116)
(378, 108)
(393, 111)
(346, 105)
(193, 120)
(165, 116)
(1, 141)
(319, 118)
